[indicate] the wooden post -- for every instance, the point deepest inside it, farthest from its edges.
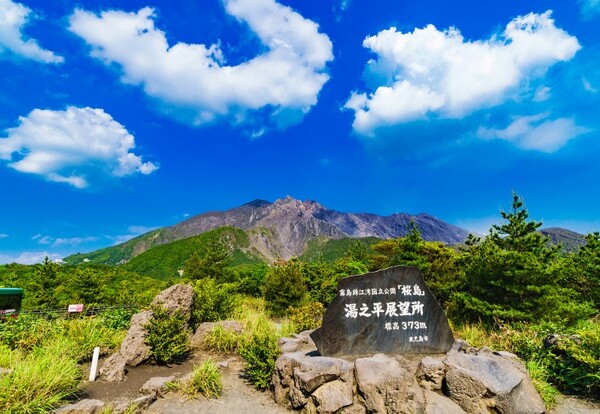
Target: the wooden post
(94, 364)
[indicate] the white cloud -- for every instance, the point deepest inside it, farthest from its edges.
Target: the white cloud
(432, 73)
(72, 145)
(541, 94)
(29, 257)
(13, 17)
(193, 80)
(3, 235)
(536, 132)
(64, 241)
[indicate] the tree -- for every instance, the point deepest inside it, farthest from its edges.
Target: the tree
(211, 263)
(512, 276)
(586, 268)
(284, 286)
(45, 283)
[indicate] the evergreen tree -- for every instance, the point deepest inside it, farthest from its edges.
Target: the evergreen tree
(512, 276)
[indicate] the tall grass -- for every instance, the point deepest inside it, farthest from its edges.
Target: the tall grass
(43, 356)
(40, 380)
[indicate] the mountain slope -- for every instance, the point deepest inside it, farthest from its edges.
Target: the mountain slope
(569, 240)
(282, 229)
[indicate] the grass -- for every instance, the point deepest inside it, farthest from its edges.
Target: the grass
(43, 356)
(40, 380)
(222, 341)
(205, 380)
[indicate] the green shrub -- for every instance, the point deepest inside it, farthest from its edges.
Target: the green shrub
(284, 286)
(213, 301)
(260, 351)
(308, 316)
(575, 361)
(117, 318)
(168, 336)
(222, 340)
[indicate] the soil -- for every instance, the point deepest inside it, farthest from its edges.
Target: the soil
(239, 396)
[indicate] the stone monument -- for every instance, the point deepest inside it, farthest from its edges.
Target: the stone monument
(390, 311)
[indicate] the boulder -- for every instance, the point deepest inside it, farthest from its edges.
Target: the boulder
(82, 407)
(440, 404)
(156, 386)
(177, 298)
(486, 380)
(298, 377)
(133, 348)
(124, 406)
(431, 373)
(113, 369)
(387, 387)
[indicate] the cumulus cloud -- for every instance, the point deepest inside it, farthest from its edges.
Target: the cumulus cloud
(13, 17)
(29, 257)
(72, 146)
(194, 81)
(536, 132)
(3, 235)
(64, 241)
(438, 74)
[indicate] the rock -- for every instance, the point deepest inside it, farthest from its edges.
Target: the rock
(356, 408)
(125, 406)
(387, 387)
(439, 404)
(227, 362)
(5, 371)
(300, 342)
(485, 379)
(298, 376)
(389, 311)
(133, 348)
(431, 373)
(113, 369)
(156, 386)
(332, 396)
(177, 297)
(82, 407)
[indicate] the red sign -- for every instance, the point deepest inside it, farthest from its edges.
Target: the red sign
(75, 308)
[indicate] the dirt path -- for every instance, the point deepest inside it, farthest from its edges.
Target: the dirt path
(239, 397)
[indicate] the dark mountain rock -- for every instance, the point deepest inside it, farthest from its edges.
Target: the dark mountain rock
(281, 230)
(569, 240)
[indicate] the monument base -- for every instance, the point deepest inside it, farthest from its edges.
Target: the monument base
(463, 380)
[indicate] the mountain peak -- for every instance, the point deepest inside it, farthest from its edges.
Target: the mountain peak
(257, 203)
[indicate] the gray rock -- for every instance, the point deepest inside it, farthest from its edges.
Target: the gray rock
(177, 298)
(156, 386)
(431, 373)
(356, 408)
(113, 369)
(485, 379)
(126, 405)
(332, 396)
(387, 387)
(133, 348)
(439, 404)
(390, 311)
(82, 407)
(297, 376)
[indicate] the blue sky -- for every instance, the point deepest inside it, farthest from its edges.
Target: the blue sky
(117, 117)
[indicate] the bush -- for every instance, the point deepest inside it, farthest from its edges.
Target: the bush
(168, 336)
(307, 317)
(284, 286)
(118, 318)
(260, 351)
(222, 340)
(213, 301)
(575, 361)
